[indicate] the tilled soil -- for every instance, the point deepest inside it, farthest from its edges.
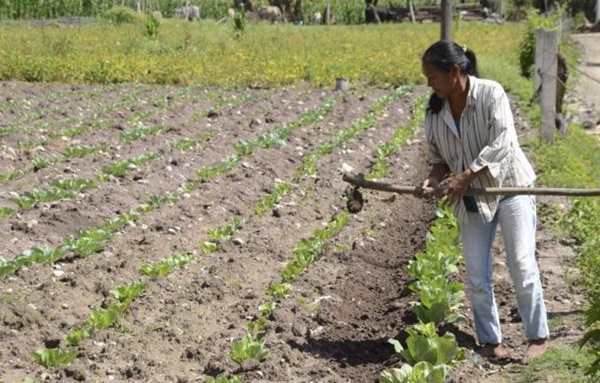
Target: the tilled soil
(335, 323)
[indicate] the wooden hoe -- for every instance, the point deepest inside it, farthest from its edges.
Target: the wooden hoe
(356, 201)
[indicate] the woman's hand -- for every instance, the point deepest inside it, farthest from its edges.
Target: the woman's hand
(430, 186)
(427, 188)
(458, 185)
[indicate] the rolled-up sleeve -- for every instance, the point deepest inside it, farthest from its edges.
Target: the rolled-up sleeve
(501, 129)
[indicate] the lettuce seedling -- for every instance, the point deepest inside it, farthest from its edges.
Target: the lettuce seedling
(208, 247)
(130, 291)
(248, 348)
(53, 357)
(77, 336)
(439, 299)
(77, 185)
(267, 308)
(422, 372)
(223, 379)
(278, 290)
(424, 344)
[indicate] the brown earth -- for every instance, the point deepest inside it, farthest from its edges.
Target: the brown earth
(335, 324)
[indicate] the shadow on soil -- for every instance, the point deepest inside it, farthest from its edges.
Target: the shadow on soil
(348, 352)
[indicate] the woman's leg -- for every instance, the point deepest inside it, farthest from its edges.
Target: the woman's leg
(477, 238)
(517, 218)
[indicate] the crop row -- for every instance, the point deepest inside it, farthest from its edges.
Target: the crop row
(30, 199)
(86, 244)
(141, 130)
(216, 236)
(77, 127)
(50, 97)
(429, 356)
(36, 112)
(19, 126)
(252, 346)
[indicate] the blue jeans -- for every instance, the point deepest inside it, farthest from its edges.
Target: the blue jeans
(517, 218)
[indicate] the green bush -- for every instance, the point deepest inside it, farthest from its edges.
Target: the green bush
(527, 45)
(121, 15)
(152, 23)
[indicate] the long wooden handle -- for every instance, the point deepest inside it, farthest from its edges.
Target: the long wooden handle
(361, 182)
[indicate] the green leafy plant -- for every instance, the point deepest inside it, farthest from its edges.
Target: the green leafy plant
(308, 250)
(141, 131)
(6, 212)
(76, 185)
(77, 336)
(100, 318)
(239, 22)
(78, 151)
(422, 372)
(30, 198)
(88, 242)
(39, 163)
(527, 45)
(208, 247)
(46, 254)
(54, 357)
(112, 224)
(152, 25)
(224, 379)
(12, 175)
(69, 132)
(267, 202)
(278, 290)
(120, 15)
(258, 327)
(244, 148)
(428, 265)
(267, 308)
(248, 348)
(439, 300)
(130, 291)
(424, 344)
(224, 233)
(166, 266)
(118, 169)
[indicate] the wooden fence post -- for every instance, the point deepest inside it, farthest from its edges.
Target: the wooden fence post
(447, 8)
(544, 81)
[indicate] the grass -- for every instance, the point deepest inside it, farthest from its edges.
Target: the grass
(560, 364)
(209, 54)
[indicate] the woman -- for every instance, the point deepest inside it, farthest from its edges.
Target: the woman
(471, 136)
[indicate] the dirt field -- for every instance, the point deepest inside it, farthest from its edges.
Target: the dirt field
(333, 326)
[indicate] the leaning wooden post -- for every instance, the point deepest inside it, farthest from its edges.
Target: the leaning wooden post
(412, 11)
(446, 20)
(545, 71)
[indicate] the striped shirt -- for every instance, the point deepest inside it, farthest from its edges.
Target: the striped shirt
(487, 139)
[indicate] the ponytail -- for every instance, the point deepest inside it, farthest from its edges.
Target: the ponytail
(471, 68)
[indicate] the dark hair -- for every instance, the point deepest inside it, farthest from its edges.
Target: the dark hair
(445, 55)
